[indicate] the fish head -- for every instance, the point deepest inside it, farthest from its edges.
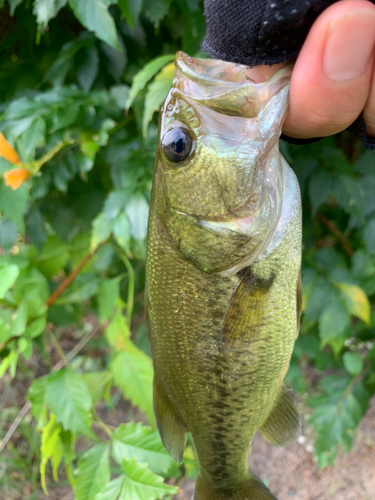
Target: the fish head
(218, 161)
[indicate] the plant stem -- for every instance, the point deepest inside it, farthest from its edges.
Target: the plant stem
(336, 231)
(99, 422)
(131, 276)
(58, 347)
(38, 164)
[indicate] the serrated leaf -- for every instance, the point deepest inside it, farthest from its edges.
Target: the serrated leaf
(133, 373)
(51, 449)
(94, 15)
(93, 472)
(353, 362)
(138, 483)
(131, 10)
(156, 93)
(96, 383)
(356, 301)
(69, 399)
(8, 275)
(134, 440)
(117, 332)
(156, 10)
(37, 397)
(143, 76)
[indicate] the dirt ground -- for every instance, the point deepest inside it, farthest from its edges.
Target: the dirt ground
(292, 473)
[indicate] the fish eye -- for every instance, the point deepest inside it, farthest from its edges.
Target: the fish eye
(177, 144)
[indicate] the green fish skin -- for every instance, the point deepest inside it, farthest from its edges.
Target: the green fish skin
(223, 293)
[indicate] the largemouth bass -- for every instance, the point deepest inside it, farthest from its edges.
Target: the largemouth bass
(223, 291)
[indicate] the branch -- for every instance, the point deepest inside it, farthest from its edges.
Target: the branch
(336, 231)
(68, 280)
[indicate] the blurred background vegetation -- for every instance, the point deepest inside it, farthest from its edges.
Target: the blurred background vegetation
(80, 81)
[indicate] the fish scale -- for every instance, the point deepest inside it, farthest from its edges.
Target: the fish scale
(222, 339)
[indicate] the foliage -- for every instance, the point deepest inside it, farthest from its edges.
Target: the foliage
(80, 83)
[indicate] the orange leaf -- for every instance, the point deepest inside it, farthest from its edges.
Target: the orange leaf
(14, 178)
(7, 152)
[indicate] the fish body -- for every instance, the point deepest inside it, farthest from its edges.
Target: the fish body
(223, 272)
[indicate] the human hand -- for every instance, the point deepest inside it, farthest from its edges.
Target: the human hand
(333, 78)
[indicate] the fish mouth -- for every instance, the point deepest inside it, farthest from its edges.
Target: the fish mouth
(229, 88)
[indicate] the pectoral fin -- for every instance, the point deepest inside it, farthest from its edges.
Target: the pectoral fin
(283, 426)
(172, 432)
(246, 309)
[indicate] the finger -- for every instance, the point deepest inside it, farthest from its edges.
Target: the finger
(369, 111)
(331, 80)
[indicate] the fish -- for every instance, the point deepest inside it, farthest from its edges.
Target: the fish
(223, 287)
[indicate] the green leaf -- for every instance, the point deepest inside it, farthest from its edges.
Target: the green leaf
(94, 15)
(320, 188)
(138, 483)
(134, 440)
(333, 321)
(13, 4)
(108, 295)
(93, 472)
(137, 210)
(37, 397)
(101, 231)
(32, 138)
(133, 373)
(35, 328)
(121, 231)
(141, 78)
(8, 233)
(117, 332)
(369, 236)
(53, 257)
(156, 10)
(88, 67)
(70, 400)
(45, 10)
(348, 195)
(96, 383)
(51, 449)
(8, 276)
(356, 301)
(20, 319)
(353, 362)
(156, 93)
(131, 10)
(14, 203)
(56, 74)
(120, 94)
